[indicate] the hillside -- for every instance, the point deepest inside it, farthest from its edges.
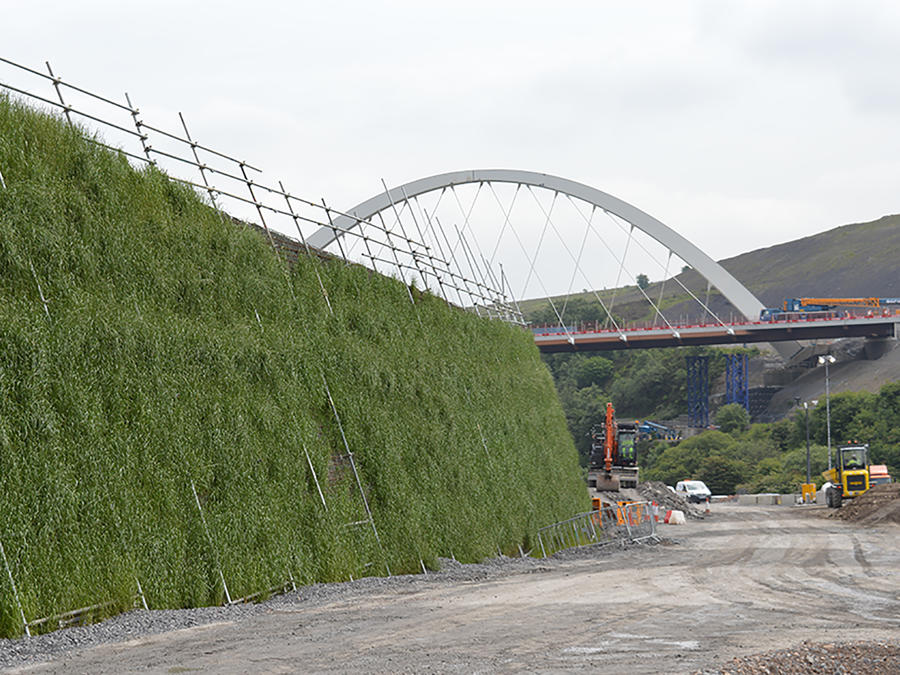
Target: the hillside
(176, 405)
(848, 261)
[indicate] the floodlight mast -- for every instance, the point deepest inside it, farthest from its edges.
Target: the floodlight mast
(826, 360)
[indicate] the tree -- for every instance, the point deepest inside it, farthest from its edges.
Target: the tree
(722, 474)
(732, 417)
(643, 281)
(592, 370)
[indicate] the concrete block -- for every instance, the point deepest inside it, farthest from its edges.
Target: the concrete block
(747, 500)
(768, 499)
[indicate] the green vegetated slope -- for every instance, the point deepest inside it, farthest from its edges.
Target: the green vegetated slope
(179, 350)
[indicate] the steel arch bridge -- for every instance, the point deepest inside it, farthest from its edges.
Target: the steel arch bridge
(782, 334)
(730, 287)
(783, 338)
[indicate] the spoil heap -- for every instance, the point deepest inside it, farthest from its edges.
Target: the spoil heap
(880, 504)
(656, 491)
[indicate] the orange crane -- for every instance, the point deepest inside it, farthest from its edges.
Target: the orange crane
(819, 304)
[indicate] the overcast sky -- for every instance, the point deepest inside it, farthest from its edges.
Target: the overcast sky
(738, 124)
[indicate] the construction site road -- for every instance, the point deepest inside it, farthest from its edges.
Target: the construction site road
(745, 580)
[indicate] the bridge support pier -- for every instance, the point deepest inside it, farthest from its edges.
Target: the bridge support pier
(737, 380)
(875, 348)
(698, 390)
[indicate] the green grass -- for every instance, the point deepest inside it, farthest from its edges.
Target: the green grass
(152, 371)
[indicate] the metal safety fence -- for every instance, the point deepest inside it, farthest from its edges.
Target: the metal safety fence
(420, 258)
(633, 521)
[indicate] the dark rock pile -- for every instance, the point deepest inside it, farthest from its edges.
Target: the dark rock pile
(865, 658)
(880, 504)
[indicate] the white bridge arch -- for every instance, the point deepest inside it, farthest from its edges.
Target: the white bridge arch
(718, 276)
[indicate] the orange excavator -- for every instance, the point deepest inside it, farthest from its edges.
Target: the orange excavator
(613, 455)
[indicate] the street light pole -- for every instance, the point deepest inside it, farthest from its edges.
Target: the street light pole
(806, 408)
(827, 360)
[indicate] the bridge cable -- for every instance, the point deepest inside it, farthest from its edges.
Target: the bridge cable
(577, 262)
(662, 286)
(622, 267)
(729, 329)
(540, 243)
(466, 214)
(506, 213)
(524, 250)
(622, 335)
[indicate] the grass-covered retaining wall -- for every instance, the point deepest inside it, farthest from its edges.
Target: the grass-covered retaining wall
(147, 345)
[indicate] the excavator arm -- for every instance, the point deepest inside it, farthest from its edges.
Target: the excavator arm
(610, 448)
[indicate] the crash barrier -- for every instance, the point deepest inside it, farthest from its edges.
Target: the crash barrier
(624, 521)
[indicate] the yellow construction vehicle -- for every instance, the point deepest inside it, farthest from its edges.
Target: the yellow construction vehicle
(850, 477)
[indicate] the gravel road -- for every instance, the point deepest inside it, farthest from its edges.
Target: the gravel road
(745, 580)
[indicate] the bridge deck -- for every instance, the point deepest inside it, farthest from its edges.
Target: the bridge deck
(713, 334)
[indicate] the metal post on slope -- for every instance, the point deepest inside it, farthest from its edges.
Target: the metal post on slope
(309, 254)
(141, 593)
(44, 300)
(397, 264)
(211, 542)
(249, 183)
(405, 237)
(56, 85)
(15, 591)
(362, 492)
(434, 269)
(334, 230)
(138, 125)
(315, 478)
(200, 165)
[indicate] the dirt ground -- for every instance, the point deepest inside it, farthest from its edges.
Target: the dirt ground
(743, 581)
(880, 503)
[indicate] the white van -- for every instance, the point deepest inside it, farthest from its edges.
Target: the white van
(693, 490)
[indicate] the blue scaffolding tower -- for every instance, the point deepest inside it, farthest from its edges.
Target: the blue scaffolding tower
(698, 390)
(737, 380)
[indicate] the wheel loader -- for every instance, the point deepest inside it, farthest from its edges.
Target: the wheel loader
(850, 476)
